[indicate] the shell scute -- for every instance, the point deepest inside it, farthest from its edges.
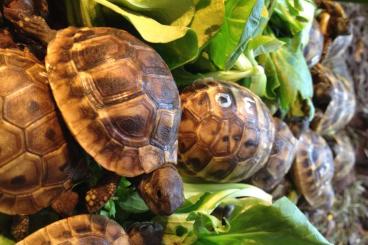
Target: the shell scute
(25, 179)
(11, 142)
(21, 109)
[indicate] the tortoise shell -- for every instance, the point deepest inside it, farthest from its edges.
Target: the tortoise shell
(79, 230)
(33, 151)
(335, 101)
(313, 169)
(281, 158)
(314, 48)
(226, 132)
(344, 155)
(117, 97)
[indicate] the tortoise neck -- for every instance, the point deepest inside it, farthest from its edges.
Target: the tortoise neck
(33, 25)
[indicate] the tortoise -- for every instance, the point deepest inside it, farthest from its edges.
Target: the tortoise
(35, 168)
(226, 132)
(344, 155)
(313, 170)
(334, 99)
(314, 48)
(81, 229)
(280, 160)
(120, 102)
(335, 28)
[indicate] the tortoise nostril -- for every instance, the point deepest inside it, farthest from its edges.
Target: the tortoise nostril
(159, 194)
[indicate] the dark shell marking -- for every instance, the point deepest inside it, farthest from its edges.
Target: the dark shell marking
(79, 230)
(33, 151)
(226, 132)
(117, 96)
(281, 158)
(340, 105)
(313, 170)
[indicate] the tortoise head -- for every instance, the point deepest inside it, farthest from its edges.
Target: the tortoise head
(162, 190)
(146, 233)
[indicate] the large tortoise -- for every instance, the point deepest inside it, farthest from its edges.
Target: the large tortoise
(226, 132)
(82, 229)
(120, 102)
(313, 170)
(280, 160)
(33, 151)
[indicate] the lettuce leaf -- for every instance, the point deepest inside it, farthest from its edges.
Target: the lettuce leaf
(242, 20)
(281, 223)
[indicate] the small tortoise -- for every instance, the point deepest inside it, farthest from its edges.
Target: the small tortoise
(79, 230)
(344, 155)
(280, 160)
(33, 151)
(334, 26)
(314, 48)
(226, 132)
(120, 102)
(313, 170)
(334, 99)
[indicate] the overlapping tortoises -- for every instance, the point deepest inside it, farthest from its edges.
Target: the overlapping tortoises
(119, 101)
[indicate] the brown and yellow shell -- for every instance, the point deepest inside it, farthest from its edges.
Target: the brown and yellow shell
(117, 97)
(33, 151)
(334, 99)
(344, 155)
(280, 160)
(313, 170)
(79, 230)
(226, 132)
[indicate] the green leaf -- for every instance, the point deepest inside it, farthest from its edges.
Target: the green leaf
(133, 203)
(288, 76)
(150, 29)
(5, 241)
(180, 51)
(207, 20)
(242, 19)
(164, 11)
(264, 44)
(281, 223)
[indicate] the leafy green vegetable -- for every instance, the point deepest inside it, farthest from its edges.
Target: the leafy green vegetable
(242, 18)
(126, 198)
(164, 11)
(281, 223)
(288, 72)
(254, 219)
(5, 241)
(150, 29)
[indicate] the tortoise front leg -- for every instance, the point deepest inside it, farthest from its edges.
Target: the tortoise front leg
(162, 190)
(65, 204)
(97, 196)
(20, 227)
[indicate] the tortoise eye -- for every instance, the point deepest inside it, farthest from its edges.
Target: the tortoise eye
(223, 100)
